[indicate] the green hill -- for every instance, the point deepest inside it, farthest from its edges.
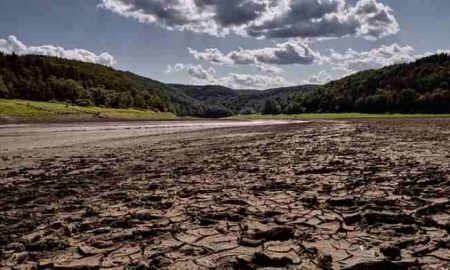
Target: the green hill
(419, 87)
(41, 78)
(239, 101)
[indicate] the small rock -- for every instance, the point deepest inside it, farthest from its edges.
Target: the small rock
(16, 246)
(250, 242)
(310, 201)
(325, 262)
(18, 258)
(235, 202)
(281, 233)
(264, 260)
(391, 252)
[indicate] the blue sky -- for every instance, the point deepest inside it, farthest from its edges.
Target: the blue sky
(139, 38)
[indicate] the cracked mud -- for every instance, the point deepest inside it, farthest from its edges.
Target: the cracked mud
(320, 195)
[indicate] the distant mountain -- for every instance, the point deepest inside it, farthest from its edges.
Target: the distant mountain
(239, 101)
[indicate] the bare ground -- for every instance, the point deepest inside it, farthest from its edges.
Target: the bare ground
(320, 195)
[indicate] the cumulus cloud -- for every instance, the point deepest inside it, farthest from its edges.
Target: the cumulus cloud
(212, 55)
(321, 78)
(265, 59)
(252, 81)
(264, 18)
(287, 53)
(443, 51)
(296, 52)
(269, 69)
(353, 61)
(207, 75)
(268, 60)
(13, 45)
(385, 55)
(196, 71)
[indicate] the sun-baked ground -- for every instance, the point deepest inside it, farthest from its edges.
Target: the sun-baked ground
(370, 194)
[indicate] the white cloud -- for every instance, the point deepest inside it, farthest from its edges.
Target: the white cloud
(196, 71)
(13, 45)
(270, 69)
(287, 53)
(321, 78)
(263, 18)
(268, 60)
(252, 81)
(296, 52)
(385, 55)
(212, 55)
(265, 59)
(353, 61)
(204, 75)
(443, 51)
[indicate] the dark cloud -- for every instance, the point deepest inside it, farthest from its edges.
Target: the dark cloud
(264, 18)
(237, 12)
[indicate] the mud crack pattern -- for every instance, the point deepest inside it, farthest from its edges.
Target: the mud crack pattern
(324, 195)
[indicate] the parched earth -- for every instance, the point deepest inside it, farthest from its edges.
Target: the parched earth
(320, 195)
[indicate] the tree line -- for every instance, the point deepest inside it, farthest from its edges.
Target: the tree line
(419, 87)
(384, 101)
(46, 78)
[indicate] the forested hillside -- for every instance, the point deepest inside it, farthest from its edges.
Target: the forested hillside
(422, 86)
(239, 101)
(47, 78)
(419, 87)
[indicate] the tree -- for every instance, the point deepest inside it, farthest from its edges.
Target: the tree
(271, 107)
(440, 100)
(4, 92)
(376, 104)
(101, 97)
(406, 101)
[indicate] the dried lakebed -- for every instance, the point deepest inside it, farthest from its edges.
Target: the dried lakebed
(318, 195)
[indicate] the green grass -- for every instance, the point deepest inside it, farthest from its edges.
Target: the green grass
(330, 116)
(47, 110)
(24, 109)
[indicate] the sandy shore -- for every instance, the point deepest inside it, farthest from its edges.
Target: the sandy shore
(307, 195)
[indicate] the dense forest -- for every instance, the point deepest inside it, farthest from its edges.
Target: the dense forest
(422, 86)
(48, 78)
(239, 101)
(419, 87)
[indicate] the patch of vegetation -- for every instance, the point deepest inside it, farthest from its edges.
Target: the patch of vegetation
(39, 109)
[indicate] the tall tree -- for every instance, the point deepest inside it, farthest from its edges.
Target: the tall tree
(4, 92)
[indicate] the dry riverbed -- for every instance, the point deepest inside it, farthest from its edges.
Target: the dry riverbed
(370, 194)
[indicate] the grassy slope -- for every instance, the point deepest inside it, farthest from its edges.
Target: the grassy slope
(338, 116)
(37, 110)
(23, 109)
